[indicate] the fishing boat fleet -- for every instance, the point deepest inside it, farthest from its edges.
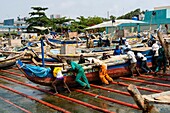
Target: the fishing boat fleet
(35, 59)
(53, 53)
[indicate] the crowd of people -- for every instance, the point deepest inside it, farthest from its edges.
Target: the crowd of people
(158, 56)
(159, 60)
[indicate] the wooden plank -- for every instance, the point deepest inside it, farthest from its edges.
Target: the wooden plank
(136, 96)
(141, 49)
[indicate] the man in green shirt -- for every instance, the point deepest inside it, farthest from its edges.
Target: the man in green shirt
(79, 74)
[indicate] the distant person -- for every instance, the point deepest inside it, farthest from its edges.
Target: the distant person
(82, 59)
(143, 61)
(166, 26)
(153, 36)
(144, 40)
(91, 43)
(59, 79)
(121, 41)
(105, 56)
(123, 50)
(162, 60)
(100, 42)
(87, 42)
(107, 43)
(155, 48)
(133, 61)
(138, 35)
(29, 36)
(104, 77)
(79, 74)
(117, 51)
(5, 48)
(127, 46)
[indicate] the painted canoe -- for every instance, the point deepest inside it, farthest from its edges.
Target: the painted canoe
(115, 69)
(10, 59)
(27, 56)
(74, 57)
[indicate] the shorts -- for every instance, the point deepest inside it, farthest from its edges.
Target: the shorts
(59, 76)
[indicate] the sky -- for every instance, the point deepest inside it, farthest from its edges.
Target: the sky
(74, 8)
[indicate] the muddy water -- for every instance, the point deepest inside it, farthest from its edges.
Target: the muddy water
(106, 104)
(28, 104)
(70, 106)
(36, 107)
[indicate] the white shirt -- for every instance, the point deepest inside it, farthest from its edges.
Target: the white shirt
(131, 56)
(99, 62)
(155, 47)
(59, 75)
(127, 45)
(140, 55)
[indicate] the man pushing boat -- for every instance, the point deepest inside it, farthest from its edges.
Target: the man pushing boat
(103, 71)
(79, 74)
(59, 79)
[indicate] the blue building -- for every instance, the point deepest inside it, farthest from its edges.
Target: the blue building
(159, 16)
(155, 18)
(11, 25)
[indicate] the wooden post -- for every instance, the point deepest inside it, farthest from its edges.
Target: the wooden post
(42, 52)
(160, 37)
(136, 96)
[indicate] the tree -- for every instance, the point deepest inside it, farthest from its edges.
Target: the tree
(112, 17)
(81, 23)
(130, 14)
(38, 18)
(61, 23)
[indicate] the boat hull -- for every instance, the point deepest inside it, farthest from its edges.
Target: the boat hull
(11, 60)
(92, 74)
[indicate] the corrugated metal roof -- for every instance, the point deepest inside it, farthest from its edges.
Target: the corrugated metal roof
(12, 27)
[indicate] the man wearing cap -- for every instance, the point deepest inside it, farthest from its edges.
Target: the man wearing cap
(133, 61)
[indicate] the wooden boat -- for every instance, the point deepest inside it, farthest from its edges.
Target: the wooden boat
(116, 66)
(52, 44)
(9, 60)
(154, 103)
(48, 64)
(27, 57)
(96, 49)
(57, 41)
(38, 57)
(115, 69)
(74, 57)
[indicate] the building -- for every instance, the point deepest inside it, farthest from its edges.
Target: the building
(11, 25)
(157, 18)
(55, 16)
